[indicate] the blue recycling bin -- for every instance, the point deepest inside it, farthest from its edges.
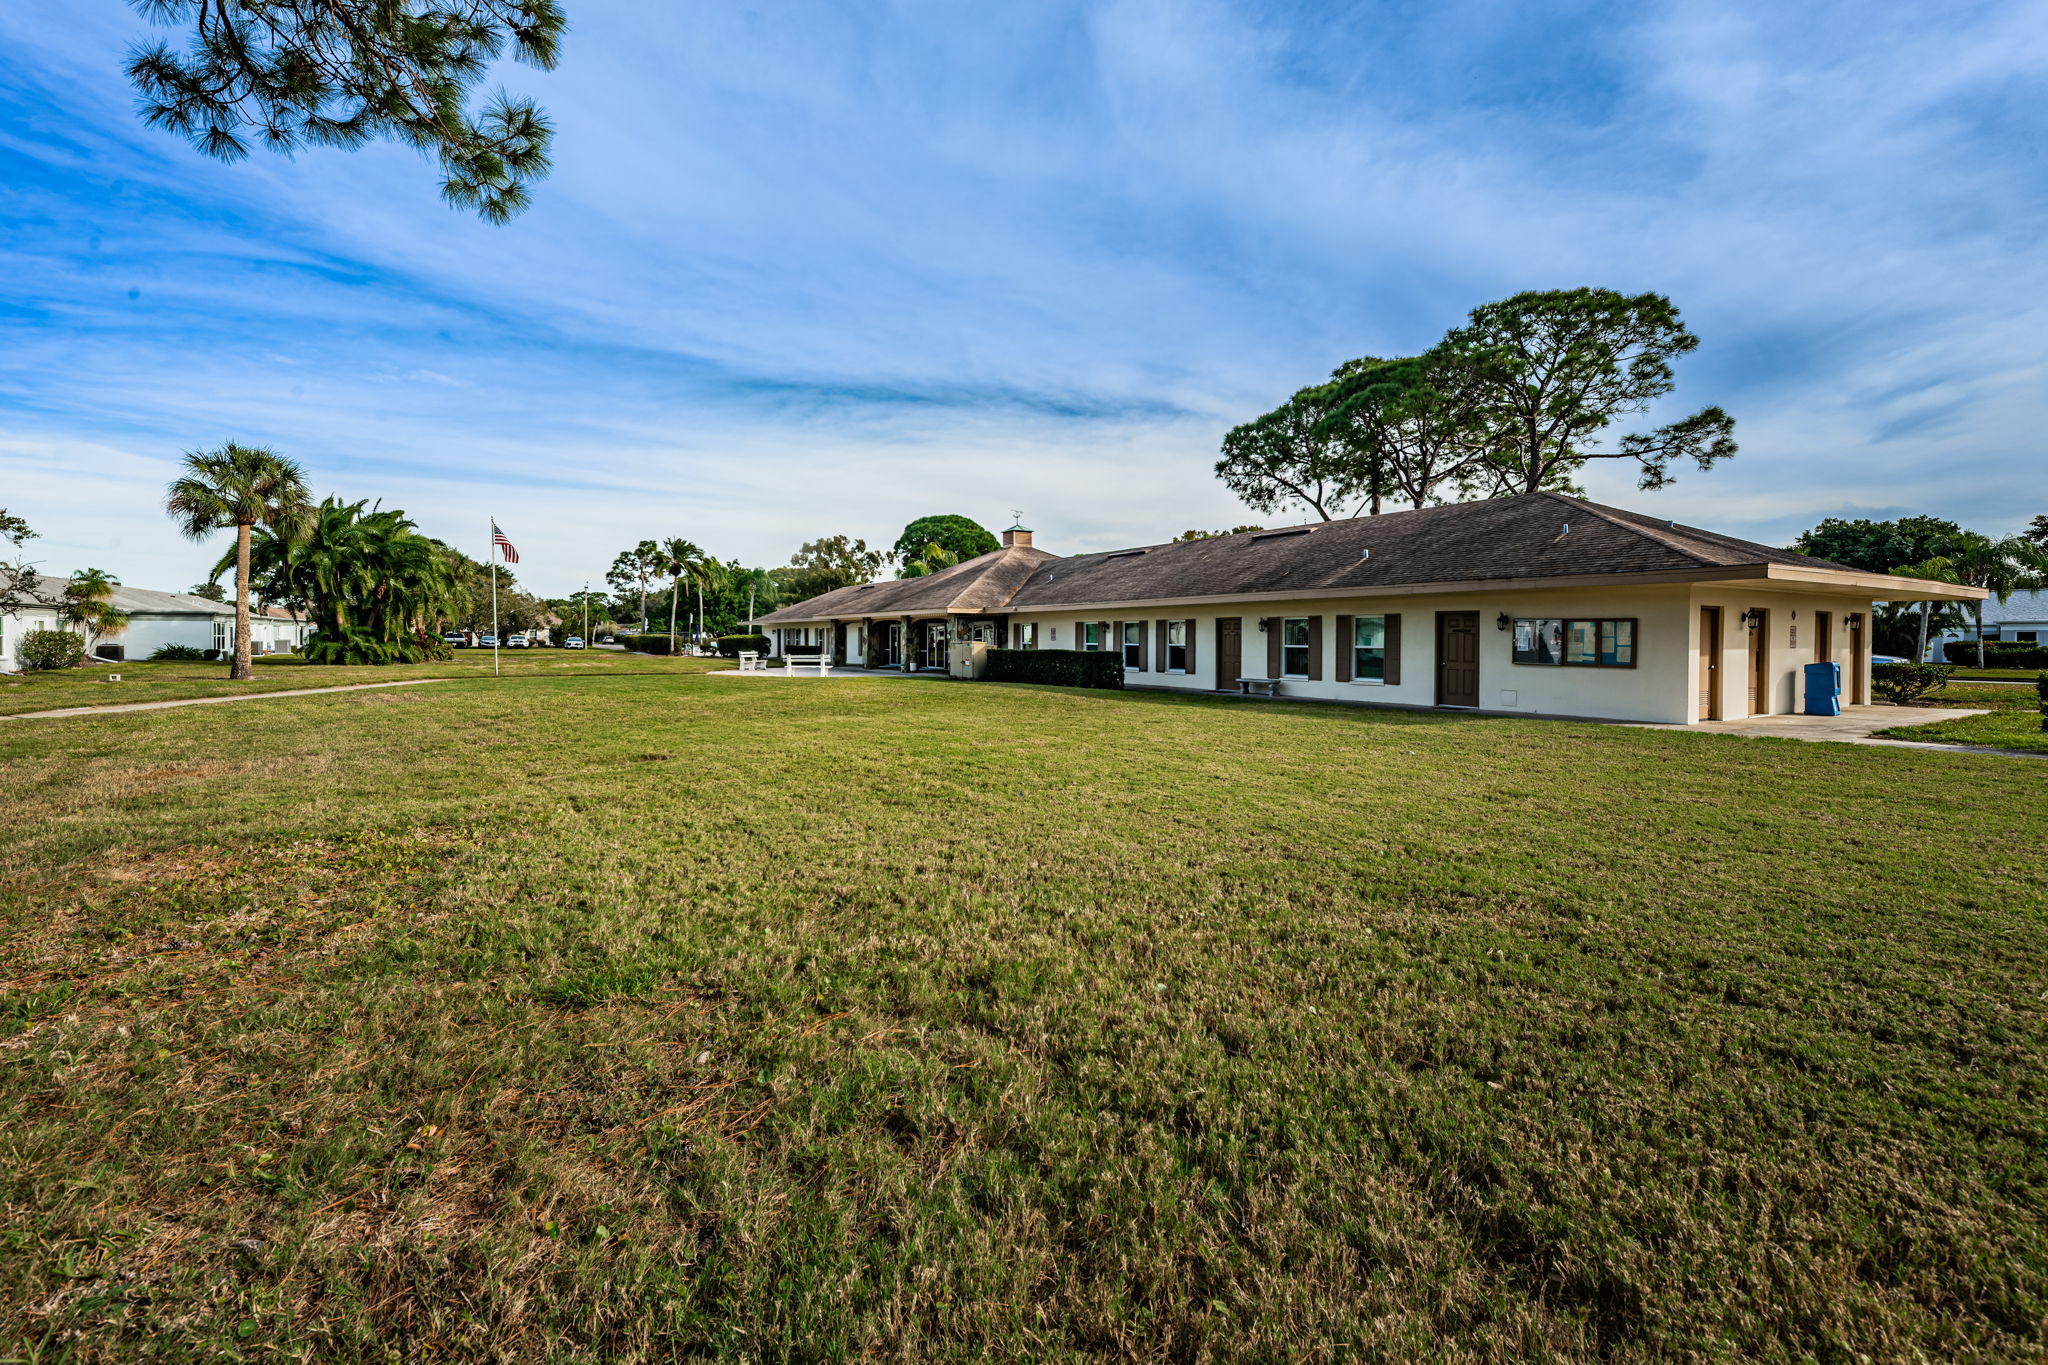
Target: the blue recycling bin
(1824, 689)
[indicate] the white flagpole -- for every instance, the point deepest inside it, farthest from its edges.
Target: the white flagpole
(494, 597)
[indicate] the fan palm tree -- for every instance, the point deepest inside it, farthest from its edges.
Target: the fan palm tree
(2004, 567)
(243, 487)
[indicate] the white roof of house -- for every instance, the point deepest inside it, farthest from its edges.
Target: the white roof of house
(146, 601)
(2023, 606)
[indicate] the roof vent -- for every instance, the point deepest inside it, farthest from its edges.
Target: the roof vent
(1567, 529)
(1365, 553)
(1126, 554)
(1290, 531)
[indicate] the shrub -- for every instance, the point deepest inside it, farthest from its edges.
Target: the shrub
(1997, 654)
(651, 644)
(1057, 667)
(732, 646)
(361, 647)
(1903, 684)
(2041, 691)
(47, 649)
(177, 654)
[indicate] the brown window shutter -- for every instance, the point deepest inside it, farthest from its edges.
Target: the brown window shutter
(1160, 632)
(1109, 645)
(1345, 634)
(1315, 649)
(1191, 645)
(1393, 642)
(1080, 635)
(1272, 625)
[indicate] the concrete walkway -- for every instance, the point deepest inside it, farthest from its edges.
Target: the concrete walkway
(840, 671)
(1856, 725)
(211, 701)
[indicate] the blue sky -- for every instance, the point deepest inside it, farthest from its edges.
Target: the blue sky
(815, 268)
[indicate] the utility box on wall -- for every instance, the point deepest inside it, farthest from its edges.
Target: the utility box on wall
(968, 658)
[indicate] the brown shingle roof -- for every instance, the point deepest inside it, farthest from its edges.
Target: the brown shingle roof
(984, 583)
(1492, 540)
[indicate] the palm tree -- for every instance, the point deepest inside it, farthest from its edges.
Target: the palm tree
(2004, 567)
(243, 487)
(684, 560)
(368, 580)
(88, 604)
(1935, 570)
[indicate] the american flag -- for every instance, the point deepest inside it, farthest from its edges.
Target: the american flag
(505, 550)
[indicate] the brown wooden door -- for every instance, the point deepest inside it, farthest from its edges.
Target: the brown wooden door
(1710, 663)
(1229, 652)
(1457, 658)
(1823, 637)
(1759, 662)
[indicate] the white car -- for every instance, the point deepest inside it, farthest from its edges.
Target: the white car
(573, 642)
(517, 642)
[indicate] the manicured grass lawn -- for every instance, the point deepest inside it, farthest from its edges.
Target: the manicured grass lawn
(2006, 674)
(2013, 720)
(20, 692)
(642, 1016)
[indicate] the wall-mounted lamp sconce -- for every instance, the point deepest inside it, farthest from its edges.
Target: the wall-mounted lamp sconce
(1262, 624)
(1751, 617)
(1855, 618)
(1503, 621)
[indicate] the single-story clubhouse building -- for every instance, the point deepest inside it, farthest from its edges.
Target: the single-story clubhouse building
(1539, 604)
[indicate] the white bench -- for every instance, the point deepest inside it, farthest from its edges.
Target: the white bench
(792, 662)
(1259, 687)
(752, 662)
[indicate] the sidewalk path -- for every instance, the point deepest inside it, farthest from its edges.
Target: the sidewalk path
(1856, 725)
(210, 701)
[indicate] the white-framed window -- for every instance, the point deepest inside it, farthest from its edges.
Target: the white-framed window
(1134, 644)
(1176, 646)
(1024, 635)
(1091, 635)
(1294, 647)
(220, 635)
(1369, 649)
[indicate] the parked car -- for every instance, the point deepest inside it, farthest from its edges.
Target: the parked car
(518, 642)
(487, 641)
(573, 642)
(1876, 659)
(454, 637)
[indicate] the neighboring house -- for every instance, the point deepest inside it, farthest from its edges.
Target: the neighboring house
(2023, 617)
(156, 619)
(1534, 605)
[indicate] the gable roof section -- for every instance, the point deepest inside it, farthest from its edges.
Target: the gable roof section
(144, 601)
(1496, 540)
(982, 584)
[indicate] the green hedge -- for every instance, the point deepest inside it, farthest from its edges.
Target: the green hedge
(1903, 683)
(732, 646)
(652, 644)
(1057, 667)
(1997, 654)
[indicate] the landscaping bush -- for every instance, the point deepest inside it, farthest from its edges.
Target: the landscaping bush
(732, 646)
(1903, 684)
(2041, 691)
(177, 654)
(361, 647)
(48, 649)
(1057, 667)
(652, 644)
(1997, 654)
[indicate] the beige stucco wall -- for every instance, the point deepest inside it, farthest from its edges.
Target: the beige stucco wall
(1791, 638)
(1662, 687)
